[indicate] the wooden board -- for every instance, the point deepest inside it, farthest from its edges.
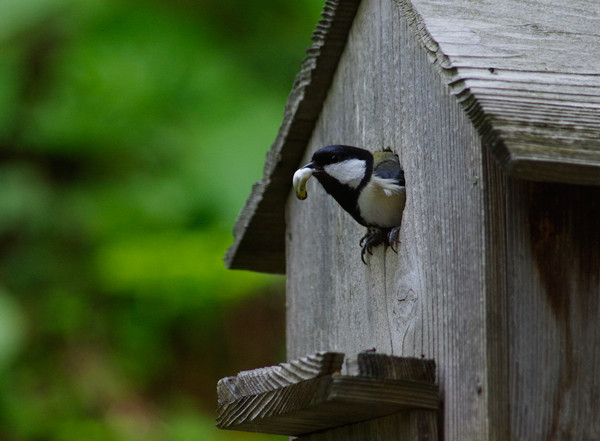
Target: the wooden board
(434, 297)
(528, 76)
(409, 425)
(306, 396)
(496, 278)
(324, 403)
(260, 380)
(553, 291)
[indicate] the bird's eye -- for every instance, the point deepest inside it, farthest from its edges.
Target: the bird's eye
(333, 158)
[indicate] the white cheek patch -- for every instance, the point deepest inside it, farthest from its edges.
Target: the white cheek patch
(349, 172)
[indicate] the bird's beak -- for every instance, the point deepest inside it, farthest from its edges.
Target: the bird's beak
(301, 176)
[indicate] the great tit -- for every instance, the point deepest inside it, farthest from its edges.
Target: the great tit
(369, 186)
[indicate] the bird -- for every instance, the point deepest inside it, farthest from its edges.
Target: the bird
(369, 186)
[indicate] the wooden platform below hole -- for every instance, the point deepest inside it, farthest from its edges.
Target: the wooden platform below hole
(325, 402)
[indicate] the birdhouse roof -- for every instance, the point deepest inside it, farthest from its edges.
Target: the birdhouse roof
(527, 74)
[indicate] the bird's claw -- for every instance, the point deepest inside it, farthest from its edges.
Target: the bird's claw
(376, 236)
(365, 237)
(373, 238)
(393, 238)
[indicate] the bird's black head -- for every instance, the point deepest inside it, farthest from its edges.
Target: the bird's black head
(339, 153)
(346, 165)
(343, 171)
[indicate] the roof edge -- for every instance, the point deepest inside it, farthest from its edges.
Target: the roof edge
(263, 214)
(518, 155)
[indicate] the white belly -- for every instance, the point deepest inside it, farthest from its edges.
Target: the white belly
(381, 203)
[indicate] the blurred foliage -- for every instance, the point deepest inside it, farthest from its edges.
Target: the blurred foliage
(130, 134)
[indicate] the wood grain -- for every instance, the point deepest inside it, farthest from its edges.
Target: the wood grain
(434, 297)
(372, 364)
(308, 394)
(553, 305)
(324, 403)
(412, 425)
(529, 78)
(260, 380)
(496, 278)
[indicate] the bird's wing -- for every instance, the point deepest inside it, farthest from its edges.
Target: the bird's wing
(386, 165)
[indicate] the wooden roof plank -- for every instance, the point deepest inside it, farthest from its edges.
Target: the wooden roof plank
(489, 49)
(260, 227)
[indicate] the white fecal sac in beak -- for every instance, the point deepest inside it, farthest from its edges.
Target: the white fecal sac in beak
(300, 178)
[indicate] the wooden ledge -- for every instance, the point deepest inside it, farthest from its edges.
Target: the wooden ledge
(330, 399)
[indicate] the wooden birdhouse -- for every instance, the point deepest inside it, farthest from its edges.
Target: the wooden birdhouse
(493, 108)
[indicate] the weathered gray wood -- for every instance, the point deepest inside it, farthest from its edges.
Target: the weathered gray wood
(264, 379)
(277, 400)
(414, 425)
(435, 297)
(372, 364)
(528, 76)
(260, 228)
(324, 403)
(553, 240)
(494, 384)
(496, 279)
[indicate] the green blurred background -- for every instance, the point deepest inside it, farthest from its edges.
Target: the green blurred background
(130, 134)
